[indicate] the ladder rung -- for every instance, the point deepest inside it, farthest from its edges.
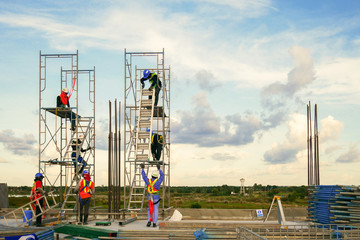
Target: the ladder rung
(142, 146)
(144, 124)
(143, 134)
(142, 157)
(145, 113)
(146, 92)
(146, 103)
(135, 201)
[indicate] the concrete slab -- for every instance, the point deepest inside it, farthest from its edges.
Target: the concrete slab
(136, 225)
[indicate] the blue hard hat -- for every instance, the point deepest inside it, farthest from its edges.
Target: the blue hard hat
(146, 73)
(85, 172)
(39, 175)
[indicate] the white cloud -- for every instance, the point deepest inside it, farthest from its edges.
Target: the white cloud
(203, 127)
(330, 129)
(295, 141)
(338, 80)
(24, 145)
(351, 156)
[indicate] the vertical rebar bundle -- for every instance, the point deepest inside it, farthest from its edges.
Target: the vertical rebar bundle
(313, 148)
(114, 159)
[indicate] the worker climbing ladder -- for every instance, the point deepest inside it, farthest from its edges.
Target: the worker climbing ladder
(141, 119)
(75, 167)
(142, 148)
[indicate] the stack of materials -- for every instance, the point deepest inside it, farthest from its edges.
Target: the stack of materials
(321, 197)
(331, 204)
(347, 206)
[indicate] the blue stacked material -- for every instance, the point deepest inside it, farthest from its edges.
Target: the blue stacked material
(320, 199)
(331, 204)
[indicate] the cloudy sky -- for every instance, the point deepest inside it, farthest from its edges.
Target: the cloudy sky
(242, 74)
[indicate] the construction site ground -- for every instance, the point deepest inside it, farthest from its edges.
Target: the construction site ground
(223, 221)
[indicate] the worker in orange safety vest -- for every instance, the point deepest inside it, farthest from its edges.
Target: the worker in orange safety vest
(85, 188)
(37, 191)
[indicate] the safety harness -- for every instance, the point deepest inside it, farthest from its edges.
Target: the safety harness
(86, 189)
(158, 138)
(151, 79)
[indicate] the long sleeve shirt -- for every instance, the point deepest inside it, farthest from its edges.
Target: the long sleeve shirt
(156, 185)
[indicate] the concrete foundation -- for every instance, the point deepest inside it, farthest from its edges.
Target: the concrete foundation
(291, 214)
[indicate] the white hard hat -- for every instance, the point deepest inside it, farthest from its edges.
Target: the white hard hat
(65, 90)
(155, 174)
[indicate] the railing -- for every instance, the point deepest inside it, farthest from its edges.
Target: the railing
(301, 231)
(244, 233)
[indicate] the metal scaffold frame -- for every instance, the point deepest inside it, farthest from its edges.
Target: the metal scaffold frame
(55, 136)
(135, 63)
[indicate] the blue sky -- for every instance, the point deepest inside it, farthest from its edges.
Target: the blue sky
(242, 74)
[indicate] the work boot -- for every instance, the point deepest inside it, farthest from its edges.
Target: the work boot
(85, 218)
(154, 225)
(148, 224)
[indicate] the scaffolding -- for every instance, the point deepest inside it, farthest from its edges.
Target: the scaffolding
(59, 145)
(141, 114)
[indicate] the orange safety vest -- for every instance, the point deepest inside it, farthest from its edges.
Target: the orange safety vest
(151, 189)
(85, 189)
(34, 195)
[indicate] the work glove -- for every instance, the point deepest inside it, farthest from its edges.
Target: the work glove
(150, 88)
(142, 165)
(142, 85)
(158, 166)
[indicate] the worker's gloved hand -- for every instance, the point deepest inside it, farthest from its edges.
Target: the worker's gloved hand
(158, 166)
(88, 148)
(150, 88)
(142, 85)
(142, 165)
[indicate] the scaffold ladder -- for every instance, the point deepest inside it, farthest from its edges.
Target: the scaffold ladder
(83, 128)
(142, 148)
(21, 210)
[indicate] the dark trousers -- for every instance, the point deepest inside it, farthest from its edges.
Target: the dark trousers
(84, 209)
(80, 161)
(156, 149)
(157, 90)
(38, 211)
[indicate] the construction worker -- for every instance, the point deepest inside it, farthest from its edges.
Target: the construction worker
(156, 146)
(62, 101)
(155, 83)
(37, 191)
(152, 188)
(75, 144)
(85, 188)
